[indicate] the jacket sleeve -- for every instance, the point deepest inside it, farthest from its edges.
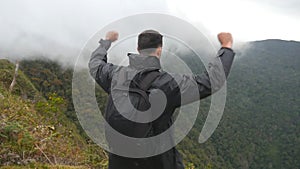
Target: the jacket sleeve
(190, 88)
(99, 69)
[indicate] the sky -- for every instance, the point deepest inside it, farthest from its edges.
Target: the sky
(62, 27)
(247, 20)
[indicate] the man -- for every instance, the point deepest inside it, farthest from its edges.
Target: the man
(177, 88)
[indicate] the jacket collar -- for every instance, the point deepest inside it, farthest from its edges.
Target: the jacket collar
(143, 62)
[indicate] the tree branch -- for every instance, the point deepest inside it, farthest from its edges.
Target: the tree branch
(14, 81)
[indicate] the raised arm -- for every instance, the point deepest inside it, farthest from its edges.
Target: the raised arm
(100, 70)
(193, 86)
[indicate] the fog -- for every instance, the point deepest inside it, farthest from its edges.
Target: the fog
(58, 30)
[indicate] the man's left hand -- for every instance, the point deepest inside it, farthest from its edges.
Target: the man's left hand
(112, 36)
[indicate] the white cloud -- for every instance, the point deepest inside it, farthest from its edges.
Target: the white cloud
(61, 28)
(247, 20)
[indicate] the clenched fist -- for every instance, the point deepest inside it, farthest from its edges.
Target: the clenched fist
(112, 36)
(225, 39)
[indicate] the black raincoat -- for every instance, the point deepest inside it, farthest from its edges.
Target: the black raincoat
(179, 89)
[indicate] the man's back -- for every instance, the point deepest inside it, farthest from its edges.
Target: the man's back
(164, 82)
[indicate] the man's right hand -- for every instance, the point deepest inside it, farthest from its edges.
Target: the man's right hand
(112, 36)
(225, 39)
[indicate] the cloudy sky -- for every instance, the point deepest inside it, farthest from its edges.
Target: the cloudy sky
(59, 27)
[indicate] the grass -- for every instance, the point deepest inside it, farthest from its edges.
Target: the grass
(36, 128)
(44, 166)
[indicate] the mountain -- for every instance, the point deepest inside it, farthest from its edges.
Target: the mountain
(260, 127)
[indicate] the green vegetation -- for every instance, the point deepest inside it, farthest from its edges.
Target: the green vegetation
(35, 131)
(44, 166)
(259, 129)
(23, 88)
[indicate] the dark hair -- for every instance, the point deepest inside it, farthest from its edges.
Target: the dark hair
(149, 39)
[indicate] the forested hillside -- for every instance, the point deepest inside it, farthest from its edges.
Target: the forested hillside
(259, 129)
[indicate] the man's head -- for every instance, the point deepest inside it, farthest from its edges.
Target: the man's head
(150, 43)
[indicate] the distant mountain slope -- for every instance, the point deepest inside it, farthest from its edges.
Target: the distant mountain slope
(261, 124)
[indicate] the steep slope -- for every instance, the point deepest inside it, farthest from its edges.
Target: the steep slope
(23, 86)
(35, 131)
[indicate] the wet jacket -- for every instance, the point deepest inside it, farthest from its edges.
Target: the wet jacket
(175, 87)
